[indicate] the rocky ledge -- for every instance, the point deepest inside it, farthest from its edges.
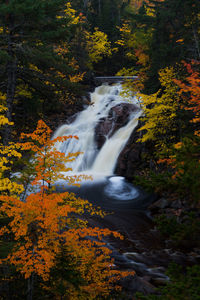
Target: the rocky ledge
(118, 117)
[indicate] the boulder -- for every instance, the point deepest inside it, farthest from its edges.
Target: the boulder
(118, 117)
(133, 284)
(129, 160)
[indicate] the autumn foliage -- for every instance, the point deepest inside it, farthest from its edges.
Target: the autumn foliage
(7, 154)
(160, 112)
(190, 92)
(171, 122)
(46, 222)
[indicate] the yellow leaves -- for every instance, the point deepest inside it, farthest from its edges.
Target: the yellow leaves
(150, 11)
(3, 119)
(7, 153)
(160, 111)
(61, 51)
(70, 14)
(73, 63)
(166, 77)
(125, 31)
(34, 68)
(23, 92)
(77, 78)
(125, 28)
(98, 45)
(8, 185)
(135, 43)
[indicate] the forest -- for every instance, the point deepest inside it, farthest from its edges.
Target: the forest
(50, 54)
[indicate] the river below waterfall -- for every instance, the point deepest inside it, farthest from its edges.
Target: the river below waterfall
(103, 129)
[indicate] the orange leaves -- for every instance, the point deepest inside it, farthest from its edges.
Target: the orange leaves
(91, 259)
(41, 134)
(45, 223)
(37, 223)
(190, 92)
(180, 41)
(49, 163)
(178, 145)
(42, 224)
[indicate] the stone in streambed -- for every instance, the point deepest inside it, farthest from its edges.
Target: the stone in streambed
(158, 281)
(159, 204)
(133, 284)
(177, 204)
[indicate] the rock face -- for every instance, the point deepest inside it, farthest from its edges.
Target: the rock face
(117, 117)
(129, 159)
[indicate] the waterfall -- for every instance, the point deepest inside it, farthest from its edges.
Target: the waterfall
(93, 160)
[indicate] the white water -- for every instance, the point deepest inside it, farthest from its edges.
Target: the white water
(93, 161)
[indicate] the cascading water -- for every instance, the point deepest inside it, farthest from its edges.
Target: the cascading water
(94, 161)
(107, 190)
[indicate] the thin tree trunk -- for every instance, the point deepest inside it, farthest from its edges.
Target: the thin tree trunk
(85, 3)
(11, 81)
(30, 287)
(99, 7)
(196, 42)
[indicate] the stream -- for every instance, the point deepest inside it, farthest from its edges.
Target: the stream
(101, 139)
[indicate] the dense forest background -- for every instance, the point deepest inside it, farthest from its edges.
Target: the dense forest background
(50, 52)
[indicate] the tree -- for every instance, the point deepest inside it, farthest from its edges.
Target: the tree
(7, 154)
(160, 113)
(172, 124)
(190, 92)
(31, 34)
(45, 222)
(98, 45)
(175, 36)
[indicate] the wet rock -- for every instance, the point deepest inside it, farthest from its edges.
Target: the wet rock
(157, 272)
(176, 204)
(159, 204)
(169, 244)
(147, 278)
(129, 160)
(133, 284)
(118, 117)
(72, 118)
(159, 281)
(86, 100)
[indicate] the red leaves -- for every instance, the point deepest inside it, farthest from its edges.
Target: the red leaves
(190, 91)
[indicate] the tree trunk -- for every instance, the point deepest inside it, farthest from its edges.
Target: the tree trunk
(85, 3)
(99, 7)
(196, 42)
(11, 80)
(30, 287)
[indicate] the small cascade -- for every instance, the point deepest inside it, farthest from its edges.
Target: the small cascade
(113, 146)
(94, 160)
(103, 129)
